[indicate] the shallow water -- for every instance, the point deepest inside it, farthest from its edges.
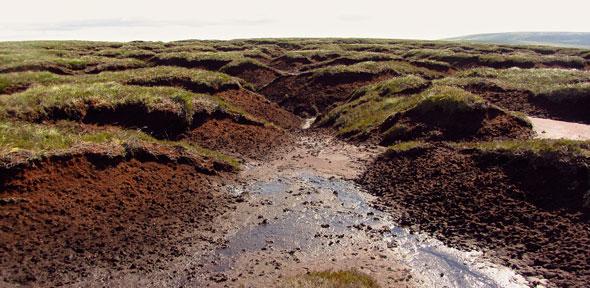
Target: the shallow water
(299, 205)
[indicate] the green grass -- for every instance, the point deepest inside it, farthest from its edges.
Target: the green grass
(441, 103)
(200, 58)
(405, 146)
(446, 100)
(206, 80)
(39, 140)
(370, 67)
(372, 105)
(125, 52)
(520, 59)
(41, 60)
(196, 80)
(10, 80)
(535, 146)
(38, 102)
(331, 279)
(242, 62)
(553, 84)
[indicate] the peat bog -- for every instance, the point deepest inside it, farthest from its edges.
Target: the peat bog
(185, 163)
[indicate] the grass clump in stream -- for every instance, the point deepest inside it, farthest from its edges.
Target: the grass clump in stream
(331, 279)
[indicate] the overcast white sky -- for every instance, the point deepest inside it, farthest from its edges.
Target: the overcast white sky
(227, 19)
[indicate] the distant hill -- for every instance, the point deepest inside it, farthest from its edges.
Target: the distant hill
(566, 39)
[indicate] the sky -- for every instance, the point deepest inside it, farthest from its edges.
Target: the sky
(166, 20)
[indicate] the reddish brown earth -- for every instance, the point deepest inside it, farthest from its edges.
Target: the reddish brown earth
(530, 211)
(261, 108)
(307, 95)
(250, 141)
(481, 122)
(257, 75)
(61, 221)
(285, 63)
(526, 102)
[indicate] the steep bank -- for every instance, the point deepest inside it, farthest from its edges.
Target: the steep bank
(528, 208)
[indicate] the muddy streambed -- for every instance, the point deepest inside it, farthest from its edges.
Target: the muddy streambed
(302, 218)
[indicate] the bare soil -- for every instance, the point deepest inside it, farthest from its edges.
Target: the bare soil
(529, 211)
(285, 63)
(259, 76)
(526, 102)
(61, 221)
(307, 96)
(479, 123)
(249, 141)
(261, 108)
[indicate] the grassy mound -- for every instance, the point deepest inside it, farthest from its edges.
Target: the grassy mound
(447, 113)
(547, 93)
(163, 111)
(397, 110)
(369, 106)
(205, 60)
(496, 60)
(556, 85)
(15, 82)
(22, 141)
(61, 61)
(313, 92)
(198, 81)
(373, 68)
(525, 201)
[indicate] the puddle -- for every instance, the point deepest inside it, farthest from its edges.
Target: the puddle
(298, 212)
(443, 266)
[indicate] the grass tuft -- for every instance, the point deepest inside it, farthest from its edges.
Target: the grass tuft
(331, 279)
(535, 146)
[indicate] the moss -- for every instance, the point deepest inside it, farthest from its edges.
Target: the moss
(331, 279)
